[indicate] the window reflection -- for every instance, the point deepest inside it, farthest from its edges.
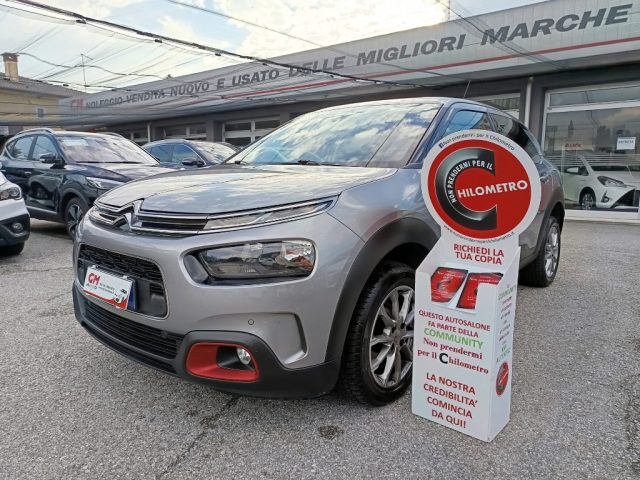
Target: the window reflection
(349, 136)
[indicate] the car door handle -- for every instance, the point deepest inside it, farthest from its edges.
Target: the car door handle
(545, 178)
(27, 174)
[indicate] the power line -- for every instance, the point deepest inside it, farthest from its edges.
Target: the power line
(500, 44)
(295, 37)
(82, 19)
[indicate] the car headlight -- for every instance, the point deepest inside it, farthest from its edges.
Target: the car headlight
(286, 258)
(610, 182)
(270, 215)
(11, 193)
(103, 183)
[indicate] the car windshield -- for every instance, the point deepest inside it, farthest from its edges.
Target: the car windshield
(353, 136)
(103, 149)
(215, 152)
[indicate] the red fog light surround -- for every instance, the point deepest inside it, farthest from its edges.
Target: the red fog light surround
(445, 282)
(470, 291)
(203, 360)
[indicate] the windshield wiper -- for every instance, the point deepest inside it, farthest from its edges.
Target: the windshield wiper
(239, 162)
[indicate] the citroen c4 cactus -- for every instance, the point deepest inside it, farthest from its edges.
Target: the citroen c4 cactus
(290, 268)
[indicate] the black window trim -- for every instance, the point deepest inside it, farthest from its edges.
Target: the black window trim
(16, 140)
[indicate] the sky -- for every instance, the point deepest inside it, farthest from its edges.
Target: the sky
(54, 50)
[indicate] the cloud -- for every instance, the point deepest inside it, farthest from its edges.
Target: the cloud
(91, 8)
(323, 22)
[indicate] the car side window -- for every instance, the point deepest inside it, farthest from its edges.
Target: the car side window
(43, 146)
(467, 120)
(182, 152)
(512, 129)
(162, 153)
(20, 148)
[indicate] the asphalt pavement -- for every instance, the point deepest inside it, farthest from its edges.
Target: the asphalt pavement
(71, 408)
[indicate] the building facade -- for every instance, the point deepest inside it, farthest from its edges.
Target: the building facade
(25, 102)
(568, 69)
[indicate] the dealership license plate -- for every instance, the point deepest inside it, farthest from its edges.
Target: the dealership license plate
(109, 288)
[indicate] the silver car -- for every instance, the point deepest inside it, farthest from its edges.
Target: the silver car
(290, 268)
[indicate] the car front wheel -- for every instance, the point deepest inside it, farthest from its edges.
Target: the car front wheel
(378, 355)
(73, 213)
(542, 271)
(587, 200)
(12, 249)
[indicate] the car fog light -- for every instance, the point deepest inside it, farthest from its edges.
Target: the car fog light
(17, 227)
(243, 356)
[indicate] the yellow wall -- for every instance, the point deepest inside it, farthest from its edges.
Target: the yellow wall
(18, 107)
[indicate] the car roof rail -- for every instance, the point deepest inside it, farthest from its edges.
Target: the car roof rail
(38, 129)
(113, 134)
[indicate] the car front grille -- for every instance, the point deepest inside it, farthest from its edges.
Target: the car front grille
(148, 288)
(149, 339)
(132, 218)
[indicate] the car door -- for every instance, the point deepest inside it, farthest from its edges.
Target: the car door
(17, 165)
(47, 177)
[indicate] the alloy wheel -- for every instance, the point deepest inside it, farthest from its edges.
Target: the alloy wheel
(552, 251)
(74, 216)
(391, 340)
(588, 201)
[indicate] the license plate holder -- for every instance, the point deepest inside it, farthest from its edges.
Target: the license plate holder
(115, 290)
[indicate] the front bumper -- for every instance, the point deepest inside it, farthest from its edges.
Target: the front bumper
(8, 236)
(275, 380)
(290, 322)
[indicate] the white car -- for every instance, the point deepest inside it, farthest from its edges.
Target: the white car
(599, 184)
(14, 218)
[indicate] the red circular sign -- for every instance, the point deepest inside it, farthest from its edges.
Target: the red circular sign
(479, 189)
(502, 379)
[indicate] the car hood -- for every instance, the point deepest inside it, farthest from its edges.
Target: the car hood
(235, 188)
(131, 171)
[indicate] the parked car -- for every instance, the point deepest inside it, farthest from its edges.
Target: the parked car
(292, 265)
(598, 183)
(14, 218)
(189, 153)
(62, 173)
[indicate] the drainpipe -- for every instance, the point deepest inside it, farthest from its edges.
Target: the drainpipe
(527, 102)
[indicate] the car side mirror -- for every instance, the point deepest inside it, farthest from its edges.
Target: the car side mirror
(52, 159)
(192, 162)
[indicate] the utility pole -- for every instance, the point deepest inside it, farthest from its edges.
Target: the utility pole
(84, 76)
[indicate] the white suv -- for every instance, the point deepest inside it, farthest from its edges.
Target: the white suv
(14, 218)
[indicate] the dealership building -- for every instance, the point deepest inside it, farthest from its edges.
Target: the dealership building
(568, 69)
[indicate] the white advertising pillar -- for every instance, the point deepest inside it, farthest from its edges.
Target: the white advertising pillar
(484, 190)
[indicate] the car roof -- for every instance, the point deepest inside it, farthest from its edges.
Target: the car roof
(66, 133)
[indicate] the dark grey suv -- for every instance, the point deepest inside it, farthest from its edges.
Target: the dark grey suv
(291, 266)
(61, 173)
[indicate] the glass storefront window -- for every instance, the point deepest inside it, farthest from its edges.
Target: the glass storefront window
(243, 132)
(596, 147)
(509, 103)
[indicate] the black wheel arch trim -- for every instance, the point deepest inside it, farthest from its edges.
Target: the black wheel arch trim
(384, 241)
(66, 195)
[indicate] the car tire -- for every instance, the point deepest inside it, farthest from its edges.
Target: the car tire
(74, 210)
(12, 249)
(375, 338)
(587, 199)
(542, 271)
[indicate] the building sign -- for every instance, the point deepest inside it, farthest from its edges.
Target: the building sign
(626, 143)
(539, 34)
(484, 190)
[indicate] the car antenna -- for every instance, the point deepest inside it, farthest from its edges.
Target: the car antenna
(466, 90)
